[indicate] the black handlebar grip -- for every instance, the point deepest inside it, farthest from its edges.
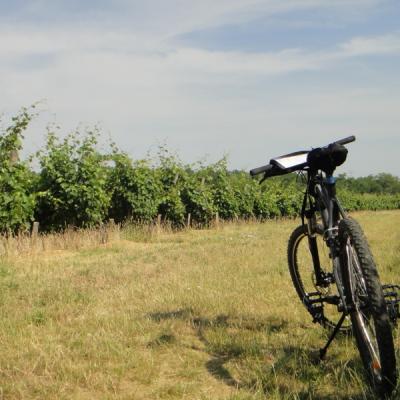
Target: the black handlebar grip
(346, 140)
(260, 170)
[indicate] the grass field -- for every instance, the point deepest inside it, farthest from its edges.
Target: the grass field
(198, 314)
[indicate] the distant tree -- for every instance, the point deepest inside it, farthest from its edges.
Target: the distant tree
(381, 183)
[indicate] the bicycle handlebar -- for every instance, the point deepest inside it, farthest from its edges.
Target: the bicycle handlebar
(347, 140)
(259, 170)
(271, 170)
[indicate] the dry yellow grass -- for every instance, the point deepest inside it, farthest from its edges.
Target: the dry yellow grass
(207, 314)
(71, 239)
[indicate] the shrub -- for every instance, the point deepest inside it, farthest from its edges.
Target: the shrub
(17, 200)
(197, 196)
(72, 182)
(224, 196)
(77, 185)
(135, 189)
(174, 176)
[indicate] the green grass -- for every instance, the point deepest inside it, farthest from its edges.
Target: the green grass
(207, 314)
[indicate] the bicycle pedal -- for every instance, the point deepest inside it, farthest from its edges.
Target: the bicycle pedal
(391, 294)
(314, 304)
(313, 298)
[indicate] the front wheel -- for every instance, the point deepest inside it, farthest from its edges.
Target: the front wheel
(369, 317)
(302, 271)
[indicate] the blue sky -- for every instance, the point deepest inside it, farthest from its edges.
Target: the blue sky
(251, 79)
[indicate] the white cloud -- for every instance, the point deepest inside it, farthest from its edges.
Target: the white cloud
(139, 83)
(128, 55)
(174, 17)
(28, 41)
(385, 44)
(166, 18)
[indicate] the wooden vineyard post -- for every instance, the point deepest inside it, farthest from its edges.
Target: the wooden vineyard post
(35, 232)
(111, 231)
(35, 229)
(104, 233)
(158, 224)
(188, 222)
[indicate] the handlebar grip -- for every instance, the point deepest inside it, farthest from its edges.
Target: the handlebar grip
(349, 139)
(260, 170)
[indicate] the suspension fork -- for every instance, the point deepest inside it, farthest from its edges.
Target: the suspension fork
(331, 211)
(313, 246)
(310, 216)
(336, 212)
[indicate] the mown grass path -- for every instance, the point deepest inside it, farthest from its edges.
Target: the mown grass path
(208, 314)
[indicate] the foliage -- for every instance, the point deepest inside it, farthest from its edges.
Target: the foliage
(197, 195)
(174, 177)
(369, 201)
(72, 182)
(226, 201)
(383, 183)
(135, 189)
(17, 200)
(246, 191)
(77, 185)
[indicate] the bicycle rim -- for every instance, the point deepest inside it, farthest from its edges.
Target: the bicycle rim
(362, 314)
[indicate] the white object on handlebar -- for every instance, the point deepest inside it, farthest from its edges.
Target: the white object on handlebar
(291, 160)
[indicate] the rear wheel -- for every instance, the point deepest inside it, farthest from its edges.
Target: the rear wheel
(369, 317)
(302, 272)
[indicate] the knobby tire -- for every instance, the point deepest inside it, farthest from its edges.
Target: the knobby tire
(368, 312)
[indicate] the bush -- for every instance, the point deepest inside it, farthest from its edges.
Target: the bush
(135, 189)
(72, 182)
(174, 176)
(224, 195)
(77, 185)
(198, 199)
(17, 200)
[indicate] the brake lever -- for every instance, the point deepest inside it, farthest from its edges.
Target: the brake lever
(264, 178)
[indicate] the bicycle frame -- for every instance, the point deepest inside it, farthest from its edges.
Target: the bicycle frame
(321, 196)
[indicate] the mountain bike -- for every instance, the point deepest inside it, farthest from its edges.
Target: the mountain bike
(332, 268)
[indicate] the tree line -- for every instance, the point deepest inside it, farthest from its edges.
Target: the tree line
(77, 184)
